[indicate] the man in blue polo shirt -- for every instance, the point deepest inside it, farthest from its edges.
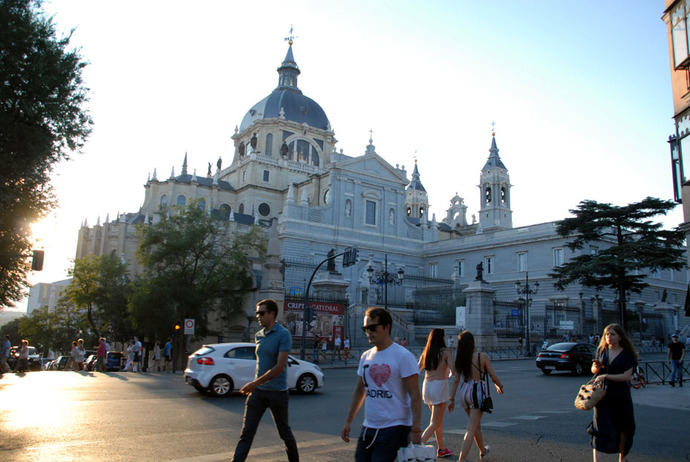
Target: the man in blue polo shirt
(269, 388)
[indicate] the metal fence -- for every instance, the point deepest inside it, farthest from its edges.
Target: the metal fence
(660, 371)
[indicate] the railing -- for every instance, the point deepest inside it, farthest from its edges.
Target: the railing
(660, 371)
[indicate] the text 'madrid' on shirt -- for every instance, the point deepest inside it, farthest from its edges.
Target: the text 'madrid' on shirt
(387, 402)
(268, 345)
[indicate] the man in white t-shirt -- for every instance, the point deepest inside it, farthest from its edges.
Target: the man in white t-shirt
(388, 387)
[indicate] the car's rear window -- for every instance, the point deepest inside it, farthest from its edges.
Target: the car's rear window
(560, 347)
(204, 350)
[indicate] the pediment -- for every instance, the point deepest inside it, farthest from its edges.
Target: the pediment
(374, 166)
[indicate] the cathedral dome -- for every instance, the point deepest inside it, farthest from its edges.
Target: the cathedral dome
(287, 101)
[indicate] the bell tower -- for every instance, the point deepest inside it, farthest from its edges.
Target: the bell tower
(494, 193)
(416, 199)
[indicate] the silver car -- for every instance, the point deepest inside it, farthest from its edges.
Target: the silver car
(221, 368)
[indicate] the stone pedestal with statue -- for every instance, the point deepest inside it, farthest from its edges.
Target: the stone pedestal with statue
(479, 314)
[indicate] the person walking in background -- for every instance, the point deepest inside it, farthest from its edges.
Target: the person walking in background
(74, 355)
(346, 348)
(337, 352)
(436, 360)
(387, 385)
(473, 368)
(269, 389)
(129, 354)
(167, 355)
(676, 355)
(613, 426)
(157, 356)
(4, 355)
(101, 355)
(138, 349)
(81, 353)
(23, 358)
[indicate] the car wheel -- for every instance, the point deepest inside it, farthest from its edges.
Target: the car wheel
(220, 386)
(579, 369)
(306, 383)
(546, 371)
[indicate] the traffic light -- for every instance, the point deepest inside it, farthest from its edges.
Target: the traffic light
(350, 257)
(37, 260)
(177, 327)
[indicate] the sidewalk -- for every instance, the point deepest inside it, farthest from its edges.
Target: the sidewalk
(664, 396)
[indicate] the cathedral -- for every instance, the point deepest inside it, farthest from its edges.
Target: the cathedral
(312, 200)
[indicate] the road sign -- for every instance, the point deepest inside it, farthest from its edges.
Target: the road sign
(189, 326)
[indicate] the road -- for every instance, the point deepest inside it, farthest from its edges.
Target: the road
(61, 416)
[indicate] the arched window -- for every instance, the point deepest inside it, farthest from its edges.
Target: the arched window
(164, 201)
(202, 204)
(487, 195)
(504, 196)
(269, 144)
(409, 211)
(225, 211)
(421, 212)
(241, 209)
(181, 200)
(241, 149)
(314, 157)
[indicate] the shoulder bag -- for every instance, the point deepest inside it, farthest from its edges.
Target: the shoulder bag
(589, 395)
(487, 404)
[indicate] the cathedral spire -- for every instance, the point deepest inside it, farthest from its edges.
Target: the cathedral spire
(494, 160)
(184, 164)
(288, 70)
(416, 182)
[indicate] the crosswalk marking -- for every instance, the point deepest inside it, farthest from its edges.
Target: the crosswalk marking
(311, 447)
(528, 417)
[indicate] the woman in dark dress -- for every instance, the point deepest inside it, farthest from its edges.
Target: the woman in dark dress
(613, 426)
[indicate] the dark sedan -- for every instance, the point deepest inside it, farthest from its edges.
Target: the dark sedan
(566, 356)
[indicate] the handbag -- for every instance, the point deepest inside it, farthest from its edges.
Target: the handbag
(416, 453)
(487, 404)
(589, 395)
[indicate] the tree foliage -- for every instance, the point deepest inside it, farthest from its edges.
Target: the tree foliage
(194, 268)
(54, 330)
(100, 285)
(631, 244)
(43, 119)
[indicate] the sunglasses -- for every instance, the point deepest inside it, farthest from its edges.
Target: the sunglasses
(370, 327)
(261, 313)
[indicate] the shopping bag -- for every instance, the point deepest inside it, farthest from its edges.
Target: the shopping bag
(416, 453)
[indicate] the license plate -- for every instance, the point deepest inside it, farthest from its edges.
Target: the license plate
(548, 368)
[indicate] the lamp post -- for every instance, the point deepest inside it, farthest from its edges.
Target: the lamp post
(385, 278)
(527, 291)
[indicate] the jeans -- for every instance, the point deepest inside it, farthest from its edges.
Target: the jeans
(381, 444)
(254, 408)
(677, 374)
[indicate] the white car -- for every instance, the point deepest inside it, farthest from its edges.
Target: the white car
(221, 368)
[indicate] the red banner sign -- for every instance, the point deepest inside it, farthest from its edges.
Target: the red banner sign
(318, 307)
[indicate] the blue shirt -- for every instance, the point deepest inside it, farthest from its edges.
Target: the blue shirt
(268, 345)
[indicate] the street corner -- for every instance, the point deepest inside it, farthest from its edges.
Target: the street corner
(664, 396)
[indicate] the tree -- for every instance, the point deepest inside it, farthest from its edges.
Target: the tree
(42, 119)
(101, 286)
(631, 242)
(12, 329)
(54, 330)
(194, 268)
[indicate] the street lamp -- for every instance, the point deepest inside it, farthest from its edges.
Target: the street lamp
(385, 278)
(527, 291)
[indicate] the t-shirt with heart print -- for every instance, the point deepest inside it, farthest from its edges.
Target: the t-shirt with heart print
(386, 402)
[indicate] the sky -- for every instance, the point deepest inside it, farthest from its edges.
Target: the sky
(579, 92)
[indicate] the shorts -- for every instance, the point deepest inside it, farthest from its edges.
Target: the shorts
(435, 392)
(472, 393)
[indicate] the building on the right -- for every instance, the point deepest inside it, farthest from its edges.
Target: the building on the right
(675, 16)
